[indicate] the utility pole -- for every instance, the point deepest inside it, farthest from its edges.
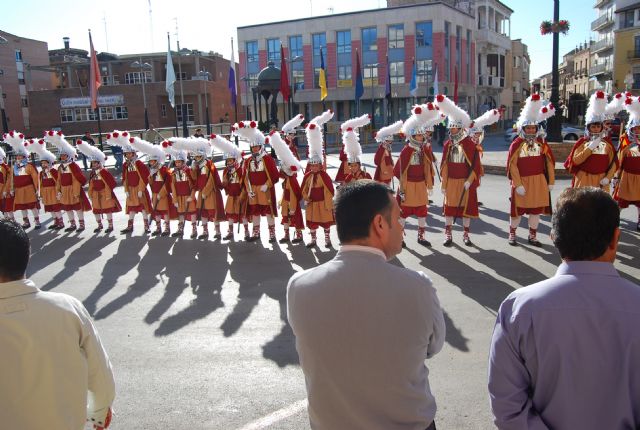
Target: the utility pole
(555, 122)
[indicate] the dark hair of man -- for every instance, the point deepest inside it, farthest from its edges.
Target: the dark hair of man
(356, 204)
(584, 222)
(14, 252)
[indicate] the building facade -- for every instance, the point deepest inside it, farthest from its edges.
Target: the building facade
(627, 47)
(601, 70)
(519, 71)
(20, 62)
(435, 36)
(129, 83)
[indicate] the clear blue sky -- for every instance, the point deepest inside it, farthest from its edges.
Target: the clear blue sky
(210, 25)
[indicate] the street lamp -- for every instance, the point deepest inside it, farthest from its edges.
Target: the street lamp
(203, 74)
(373, 118)
(246, 80)
(142, 66)
(295, 59)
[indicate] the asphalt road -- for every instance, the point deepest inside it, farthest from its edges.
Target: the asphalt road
(197, 331)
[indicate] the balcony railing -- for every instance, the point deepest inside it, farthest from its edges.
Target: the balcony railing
(601, 45)
(633, 55)
(601, 22)
(600, 3)
(598, 69)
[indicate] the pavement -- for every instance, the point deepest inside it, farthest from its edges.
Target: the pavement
(197, 331)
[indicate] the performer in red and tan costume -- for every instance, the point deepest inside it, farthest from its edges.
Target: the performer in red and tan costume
(162, 208)
(351, 142)
(593, 160)
(531, 169)
(71, 181)
(232, 183)
(414, 168)
(101, 187)
(289, 131)
(627, 178)
(317, 188)
(135, 178)
(6, 198)
(183, 191)
(260, 178)
(291, 192)
(460, 170)
(48, 181)
(23, 180)
(611, 111)
(383, 159)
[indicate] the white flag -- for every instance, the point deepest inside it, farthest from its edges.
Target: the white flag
(171, 77)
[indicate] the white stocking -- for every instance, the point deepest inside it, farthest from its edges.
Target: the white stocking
(534, 220)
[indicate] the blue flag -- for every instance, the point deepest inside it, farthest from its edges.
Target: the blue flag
(232, 76)
(359, 83)
(413, 86)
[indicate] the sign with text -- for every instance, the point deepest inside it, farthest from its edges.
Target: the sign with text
(71, 102)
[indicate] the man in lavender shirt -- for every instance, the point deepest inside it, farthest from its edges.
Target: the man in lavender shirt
(565, 352)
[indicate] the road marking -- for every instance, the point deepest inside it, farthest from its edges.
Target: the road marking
(279, 415)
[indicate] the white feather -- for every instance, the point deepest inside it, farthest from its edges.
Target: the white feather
(283, 151)
(388, 131)
(293, 123)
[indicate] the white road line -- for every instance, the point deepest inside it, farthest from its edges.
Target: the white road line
(279, 415)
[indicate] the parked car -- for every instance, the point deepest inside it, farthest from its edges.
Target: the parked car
(568, 133)
(509, 135)
(615, 129)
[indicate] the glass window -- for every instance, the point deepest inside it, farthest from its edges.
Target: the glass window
(163, 111)
(66, 115)
(295, 46)
(424, 35)
(106, 113)
(627, 19)
(190, 116)
(273, 50)
(18, 55)
(24, 101)
(121, 112)
(81, 114)
(253, 79)
(447, 66)
(319, 40)
(397, 72)
(297, 79)
(344, 73)
(252, 51)
(423, 69)
(21, 78)
(344, 41)
(369, 39)
(396, 36)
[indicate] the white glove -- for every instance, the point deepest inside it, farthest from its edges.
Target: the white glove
(443, 191)
(520, 190)
(430, 191)
(59, 196)
(467, 185)
(550, 187)
(594, 143)
(189, 199)
(614, 182)
(37, 196)
(4, 194)
(176, 205)
(126, 194)
(252, 195)
(12, 192)
(604, 181)
(139, 194)
(263, 188)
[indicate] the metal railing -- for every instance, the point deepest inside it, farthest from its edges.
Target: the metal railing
(601, 22)
(633, 55)
(601, 45)
(598, 69)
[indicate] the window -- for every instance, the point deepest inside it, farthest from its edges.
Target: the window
(21, 78)
(181, 76)
(106, 113)
(18, 56)
(423, 70)
(252, 52)
(319, 40)
(424, 34)
(24, 101)
(66, 115)
(163, 111)
(344, 76)
(295, 46)
(136, 77)
(636, 46)
(115, 80)
(469, 56)
(253, 79)
(344, 42)
(121, 112)
(627, 18)
(273, 50)
(396, 36)
(397, 72)
(369, 72)
(369, 39)
(82, 114)
(190, 116)
(297, 78)
(105, 80)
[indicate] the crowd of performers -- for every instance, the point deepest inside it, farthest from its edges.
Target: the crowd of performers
(194, 193)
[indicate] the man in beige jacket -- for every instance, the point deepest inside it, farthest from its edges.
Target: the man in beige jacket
(55, 371)
(364, 327)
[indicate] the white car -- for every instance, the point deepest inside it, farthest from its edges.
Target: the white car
(568, 133)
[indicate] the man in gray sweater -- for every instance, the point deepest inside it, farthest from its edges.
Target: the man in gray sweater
(364, 327)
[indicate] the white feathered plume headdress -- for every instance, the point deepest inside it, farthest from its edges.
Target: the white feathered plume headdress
(292, 124)
(421, 115)
(193, 145)
(283, 152)
(457, 117)
(39, 147)
(615, 105)
(121, 139)
(154, 152)
(530, 113)
(91, 152)
(228, 149)
(355, 123)
(56, 138)
(596, 109)
(175, 154)
(249, 131)
(16, 141)
(386, 133)
(489, 117)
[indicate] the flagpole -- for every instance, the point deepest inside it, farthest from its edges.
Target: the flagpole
(183, 107)
(93, 89)
(235, 105)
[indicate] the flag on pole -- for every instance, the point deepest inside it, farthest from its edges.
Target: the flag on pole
(359, 84)
(284, 77)
(436, 91)
(413, 86)
(387, 87)
(455, 85)
(322, 78)
(171, 76)
(95, 81)
(232, 76)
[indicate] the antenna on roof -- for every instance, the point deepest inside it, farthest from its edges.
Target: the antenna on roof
(106, 37)
(151, 26)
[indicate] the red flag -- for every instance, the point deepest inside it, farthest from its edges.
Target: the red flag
(284, 76)
(455, 85)
(95, 81)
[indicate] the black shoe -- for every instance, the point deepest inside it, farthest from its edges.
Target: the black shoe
(513, 242)
(327, 245)
(165, 233)
(447, 242)
(424, 242)
(177, 234)
(404, 244)
(53, 227)
(253, 238)
(70, 229)
(467, 241)
(126, 230)
(638, 226)
(480, 204)
(203, 236)
(311, 244)
(284, 240)
(109, 230)
(296, 240)
(156, 233)
(37, 227)
(97, 229)
(217, 236)
(25, 226)
(272, 240)
(534, 242)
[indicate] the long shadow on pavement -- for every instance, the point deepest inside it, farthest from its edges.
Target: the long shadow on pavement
(207, 280)
(49, 253)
